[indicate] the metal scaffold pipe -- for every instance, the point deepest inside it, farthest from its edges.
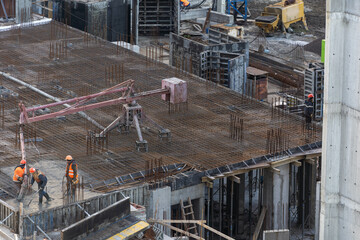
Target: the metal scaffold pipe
(84, 115)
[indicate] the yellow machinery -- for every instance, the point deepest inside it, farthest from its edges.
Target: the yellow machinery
(280, 15)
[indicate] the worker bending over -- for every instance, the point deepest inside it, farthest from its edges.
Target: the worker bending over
(19, 173)
(309, 109)
(41, 180)
(71, 175)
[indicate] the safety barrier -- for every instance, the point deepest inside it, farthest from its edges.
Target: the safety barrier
(63, 216)
(9, 216)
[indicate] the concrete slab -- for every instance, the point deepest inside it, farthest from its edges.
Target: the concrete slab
(54, 171)
(6, 234)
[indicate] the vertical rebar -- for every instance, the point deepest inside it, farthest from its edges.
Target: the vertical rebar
(2, 112)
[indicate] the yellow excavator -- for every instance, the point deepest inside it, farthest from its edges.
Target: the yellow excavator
(280, 15)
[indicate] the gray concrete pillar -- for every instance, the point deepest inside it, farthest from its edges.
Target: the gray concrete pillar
(160, 205)
(340, 188)
(317, 210)
(276, 197)
(23, 11)
(241, 204)
(221, 6)
(312, 181)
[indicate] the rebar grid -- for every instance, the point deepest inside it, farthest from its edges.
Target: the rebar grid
(201, 135)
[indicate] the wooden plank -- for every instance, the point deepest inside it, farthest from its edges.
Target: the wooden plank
(310, 161)
(259, 224)
(235, 179)
(50, 10)
(207, 20)
(217, 232)
(275, 170)
(296, 163)
(295, 158)
(181, 231)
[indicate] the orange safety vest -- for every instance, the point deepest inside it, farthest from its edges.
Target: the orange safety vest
(36, 176)
(185, 2)
(71, 172)
(19, 172)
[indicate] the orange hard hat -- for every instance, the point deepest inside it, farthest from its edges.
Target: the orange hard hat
(68, 158)
(32, 170)
(23, 161)
(310, 96)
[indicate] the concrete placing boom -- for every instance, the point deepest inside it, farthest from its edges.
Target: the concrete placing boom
(128, 98)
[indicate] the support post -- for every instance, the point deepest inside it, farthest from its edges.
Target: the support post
(231, 208)
(303, 200)
(250, 175)
(220, 202)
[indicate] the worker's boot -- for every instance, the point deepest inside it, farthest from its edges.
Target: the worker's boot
(48, 198)
(40, 201)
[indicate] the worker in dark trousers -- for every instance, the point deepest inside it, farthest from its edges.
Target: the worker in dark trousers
(19, 173)
(41, 180)
(71, 175)
(309, 110)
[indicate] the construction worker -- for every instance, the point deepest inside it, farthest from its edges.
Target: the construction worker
(41, 180)
(184, 3)
(71, 175)
(19, 173)
(309, 109)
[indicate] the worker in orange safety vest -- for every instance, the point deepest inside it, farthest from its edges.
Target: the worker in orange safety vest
(185, 3)
(71, 175)
(41, 179)
(19, 173)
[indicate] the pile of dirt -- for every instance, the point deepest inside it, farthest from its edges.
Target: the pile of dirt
(315, 46)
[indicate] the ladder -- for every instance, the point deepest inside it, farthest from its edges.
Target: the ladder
(187, 213)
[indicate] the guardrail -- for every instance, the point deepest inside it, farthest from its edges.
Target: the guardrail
(9, 216)
(63, 216)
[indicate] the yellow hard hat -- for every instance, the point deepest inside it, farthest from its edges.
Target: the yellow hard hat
(68, 158)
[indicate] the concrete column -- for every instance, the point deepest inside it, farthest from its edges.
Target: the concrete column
(317, 210)
(160, 205)
(312, 189)
(276, 197)
(340, 188)
(23, 11)
(241, 204)
(221, 6)
(194, 192)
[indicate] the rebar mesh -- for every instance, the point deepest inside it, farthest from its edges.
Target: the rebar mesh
(201, 135)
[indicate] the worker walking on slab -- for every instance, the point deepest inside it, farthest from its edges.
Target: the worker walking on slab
(71, 175)
(19, 173)
(309, 109)
(41, 180)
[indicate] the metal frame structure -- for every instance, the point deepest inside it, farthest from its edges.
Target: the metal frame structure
(232, 4)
